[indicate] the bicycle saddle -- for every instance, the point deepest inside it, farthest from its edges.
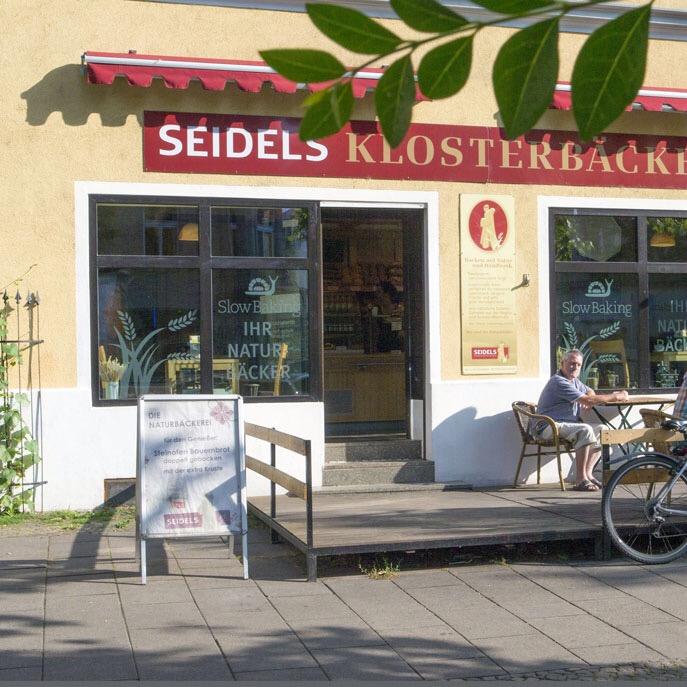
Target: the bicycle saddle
(675, 425)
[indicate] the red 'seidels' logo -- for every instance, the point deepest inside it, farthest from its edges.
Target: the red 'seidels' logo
(488, 225)
(499, 352)
(485, 353)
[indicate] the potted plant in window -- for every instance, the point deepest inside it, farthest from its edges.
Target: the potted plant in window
(665, 230)
(111, 371)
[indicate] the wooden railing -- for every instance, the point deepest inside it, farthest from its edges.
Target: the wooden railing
(293, 485)
(640, 436)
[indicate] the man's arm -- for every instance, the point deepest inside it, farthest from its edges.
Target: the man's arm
(592, 399)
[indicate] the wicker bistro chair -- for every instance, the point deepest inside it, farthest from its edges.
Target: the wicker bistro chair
(652, 420)
(526, 416)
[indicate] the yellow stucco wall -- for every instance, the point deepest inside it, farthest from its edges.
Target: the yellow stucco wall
(56, 130)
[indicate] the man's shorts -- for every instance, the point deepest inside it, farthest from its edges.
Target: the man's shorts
(579, 433)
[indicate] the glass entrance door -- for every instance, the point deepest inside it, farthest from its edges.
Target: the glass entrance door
(369, 330)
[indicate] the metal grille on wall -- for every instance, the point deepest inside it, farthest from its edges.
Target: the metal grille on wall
(21, 424)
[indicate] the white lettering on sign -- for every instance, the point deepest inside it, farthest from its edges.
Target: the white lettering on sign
(285, 143)
(257, 329)
(596, 308)
(176, 144)
(231, 143)
(253, 350)
(672, 326)
(266, 144)
(485, 352)
(193, 140)
(286, 303)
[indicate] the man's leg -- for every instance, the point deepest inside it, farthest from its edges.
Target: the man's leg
(584, 439)
(581, 459)
(582, 435)
(586, 458)
(592, 459)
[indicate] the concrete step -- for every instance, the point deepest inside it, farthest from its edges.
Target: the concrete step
(393, 487)
(377, 472)
(380, 450)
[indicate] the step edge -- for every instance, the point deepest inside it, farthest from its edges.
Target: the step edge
(353, 464)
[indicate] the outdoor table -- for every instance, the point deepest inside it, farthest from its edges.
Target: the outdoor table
(621, 420)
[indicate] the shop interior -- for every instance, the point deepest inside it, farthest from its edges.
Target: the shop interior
(367, 328)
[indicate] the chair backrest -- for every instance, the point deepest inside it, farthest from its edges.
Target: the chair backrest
(615, 347)
(523, 411)
(283, 350)
(652, 420)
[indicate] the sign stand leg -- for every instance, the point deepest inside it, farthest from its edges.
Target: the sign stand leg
(143, 561)
(244, 547)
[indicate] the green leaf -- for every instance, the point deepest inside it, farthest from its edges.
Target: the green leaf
(315, 97)
(525, 73)
(328, 114)
(352, 29)
(394, 98)
(444, 70)
(304, 66)
(7, 475)
(609, 71)
(427, 15)
(513, 6)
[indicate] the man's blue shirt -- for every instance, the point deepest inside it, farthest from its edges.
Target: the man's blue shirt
(560, 398)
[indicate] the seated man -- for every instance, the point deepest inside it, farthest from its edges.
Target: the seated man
(562, 398)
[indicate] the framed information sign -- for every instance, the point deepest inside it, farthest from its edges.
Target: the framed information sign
(487, 276)
(191, 474)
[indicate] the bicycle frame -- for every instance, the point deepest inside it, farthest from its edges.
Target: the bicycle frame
(656, 502)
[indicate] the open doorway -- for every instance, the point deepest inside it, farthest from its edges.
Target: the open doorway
(373, 322)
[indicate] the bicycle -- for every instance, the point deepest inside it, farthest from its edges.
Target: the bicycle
(644, 504)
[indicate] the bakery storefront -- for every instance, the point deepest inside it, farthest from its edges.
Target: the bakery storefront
(279, 299)
(185, 236)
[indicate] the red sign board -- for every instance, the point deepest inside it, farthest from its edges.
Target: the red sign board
(245, 144)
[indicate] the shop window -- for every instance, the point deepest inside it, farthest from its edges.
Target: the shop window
(170, 316)
(267, 232)
(148, 323)
(147, 230)
(260, 334)
(667, 239)
(667, 328)
(597, 313)
(623, 308)
(595, 238)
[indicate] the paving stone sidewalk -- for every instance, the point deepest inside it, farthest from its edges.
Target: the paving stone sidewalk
(73, 608)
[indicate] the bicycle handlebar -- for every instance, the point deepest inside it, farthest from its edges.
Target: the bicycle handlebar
(675, 425)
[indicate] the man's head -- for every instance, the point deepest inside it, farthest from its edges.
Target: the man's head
(571, 365)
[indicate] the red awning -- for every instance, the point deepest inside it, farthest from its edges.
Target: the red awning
(177, 72)
(650, 99)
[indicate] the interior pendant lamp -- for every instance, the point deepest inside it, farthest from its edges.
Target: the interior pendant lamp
(189, 232)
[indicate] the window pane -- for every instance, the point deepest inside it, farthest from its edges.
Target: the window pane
(598, 314)
(668, 329)
(667, 237)
(265, 232)
(148, 330)
(256, 311)
(595, 238)
(147, 230)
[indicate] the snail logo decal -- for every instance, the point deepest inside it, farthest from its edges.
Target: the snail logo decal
(260, 287)
(597, 290)
(488, 226)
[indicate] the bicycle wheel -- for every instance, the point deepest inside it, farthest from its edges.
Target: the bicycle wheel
(628, 510)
